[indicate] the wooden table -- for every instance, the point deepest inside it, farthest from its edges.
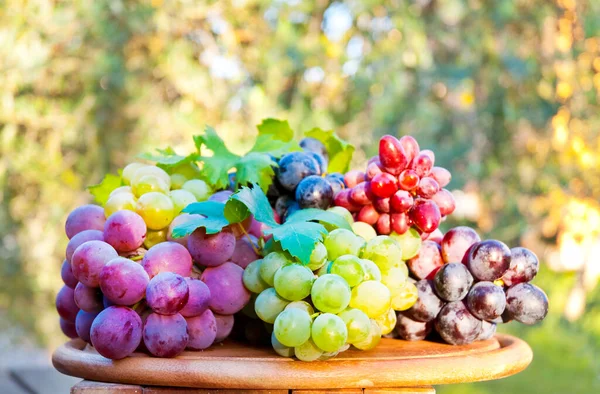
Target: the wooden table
(395, 366)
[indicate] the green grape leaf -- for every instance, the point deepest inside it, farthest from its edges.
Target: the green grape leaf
(212, 219)
(102, 190)
(167, 158)
(319, 215)
(275, 137)
(276, 128)
(250, 200)
(255, 168)
(298, 238)
(217, 166)
(340, 151)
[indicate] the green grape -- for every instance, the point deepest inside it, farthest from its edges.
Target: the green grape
(402, 266)
(121, 189)
(387, 321)
(153, 171)
(154, 237)
(350, 268)
(394, 279)
(365, 230)
(330, 293)
(293, 282)
(248, 309)
(268, 305)
(340, 242)
(189, 170)
(181, 199)
(280, 348)
(327, 355)
(406, 298)
(149, 183)
(410, 243)
(303, 305)
(292, 327)
(343, 212)
(383, 251)
(308, 351)
(252, 279)
(129, 170)
(324, 270)
(318, 257)
(271, 246)
(357, 323)
(156, 209)
(271, 263)
(329, 332)
(372, 340)
(198, 188)
(372, 271)
(371, 297)
(119, 202)
(177, 181)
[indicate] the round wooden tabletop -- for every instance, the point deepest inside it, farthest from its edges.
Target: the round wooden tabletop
(230, 365)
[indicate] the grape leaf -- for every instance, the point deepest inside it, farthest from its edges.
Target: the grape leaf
(298, 238)
(217, 166)
(250, 200)
(255, 168)
(212, 219)
(102, 190)
(276, 128)
(319, 215)
(275, 137)
(340, 151)
(167, 158)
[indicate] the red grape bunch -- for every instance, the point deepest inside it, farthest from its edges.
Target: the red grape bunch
(399, 189)
(466, 286)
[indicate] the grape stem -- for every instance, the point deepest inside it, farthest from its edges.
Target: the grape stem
(249, 239)
(137, 258)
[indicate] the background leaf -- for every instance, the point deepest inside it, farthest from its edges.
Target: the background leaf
(215, 167)
(168, 159)
(102, 190)
(340, 151)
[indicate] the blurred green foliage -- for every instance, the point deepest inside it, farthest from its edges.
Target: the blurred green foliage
(505, 92)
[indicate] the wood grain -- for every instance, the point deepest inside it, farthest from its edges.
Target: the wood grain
(88, 387)
(413, 390)
(231, 365)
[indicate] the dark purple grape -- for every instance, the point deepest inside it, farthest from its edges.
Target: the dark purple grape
(165, 336)
(283, 203)
(321, 161)
(456, 242)
(314, 192)
(336, 181)
(83, 324)
(88, 299)
(68, 328)
(167, 293)
(116, 332)
(412, 330)
(486, 301)
(488, 260)
(527, 303)
(488, 330)
(294, 167)
(66, 273)
(428, 305)
(456, 325)
(314, 145)
(506, 317)
(524, 265)
(452, 282)
(65, 304)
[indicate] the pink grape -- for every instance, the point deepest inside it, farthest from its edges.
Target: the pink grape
(167, 293)
(116, 332)
(427, 187)
(211, 250)
(80, 238)
(224, 326)
(202, 330)
(382, 205)
(83, 324)
(125, 230)
(422, 164)
(384, 185)
(88, 299)
(429, 153)
(445, 201)
(456, 242)
(65, 304)
(425, 264)
(408, 180)
(368, 214)
(167, 257)
(383, 225)
(353, 178)
(441, 175)
(66, 273)
(362, 194)
(198, 300)
(392, 155)
(342, 199)
(399, 222)
(401, 201)
(88, 260)
(373, 168)
(123, 281)
(178, 221)
(411, 147)
(436, 236)
(426, 215)
(68, 328)
(165, 336)
(245, 251)
(228, 294)
(85, 217)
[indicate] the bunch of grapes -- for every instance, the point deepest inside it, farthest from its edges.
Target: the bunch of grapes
(399, 189)
(467, 286)
(348, 294)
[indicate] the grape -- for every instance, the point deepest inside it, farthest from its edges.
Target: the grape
(487, 330)
(252, 279)
(427, 262)
(441, 175)
(292, 209)
(410, 243)
(392, 155)
(456, 242)
(202, 330)
(324, 270)
(322, 163)
(244, 251)
(123, 281)
(406, 298)
(68, 328)
(80, 238)
(125, 231)
(85, 217)
(371, 270)
(129, 170)
(357, 323)
(330, 293)
(373, 169)
(445, 201)
(293, 282)
(329, 332)
(353, 178)
(88, 299)
(412, 330)
(383, 251)
(224, 326)
(154, 171)
(116, 332)
(408, 180)
(422, 164)
(88, 260)
(340, 242)
(228, 294)
(67, 275)
(364, 230)
(167, 257)
(177, 181)
(488, 260)
(156, 209)
(198, 188)
(280, 348)
(177, 222)
(399, 223)
(384, 224)
(372, 340)
(426, 215)
(387, 321)
(198, 299)
(401, 201)
(294, 167)
(342, 199)
(350, 268)
(382, 204)
(269, 305)
(221, 196)
(362, 194)
(456, 325)
(181, 199)
(336, 182)
(524, 265)
(150, 183)
(211, 250)
(436, 236)
(303, 305)
(155, 237)
(526, 303)
(271, 264)
(384, 185)
(411, 147)
(318, 257)
(166, 336)
(394, 279)
(65, 304)
(314, 145)
(83, 324)
(427, 187)
(308, 351)
(452, 282)
(371, 297)
(167, 293)
(428, 304)
(486, 301)
(368, 214)
(343, 212)
(314, 192)
(292, 327)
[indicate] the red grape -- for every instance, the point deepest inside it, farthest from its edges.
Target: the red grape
(362, 194)
(88, 299)
(245, 251)
(384, 185)
(422, 164)
(123, 281)
(436, 236)
(401, 201)
(353, 178)
(456, 242)
(487, 330)
(382, 204)
(425, 264)
(411, 147)
(202, 330)
(425, 215)
(524, 265)
(441, 175)
(165, 336)
(198, 300)
(368, 214)
(452, 282)
(427, 187)
(167, 257)
(445, 201)
(228, 294)
(412, 330)
(408, 180)
(489, 260)
(211, 250)
(83, 324)
(125, 231)
(527, 303)
(456, 325)
(342, 199)
(486, 301)
(68, 328)
(428, 304)
(373, 169)
(167, 293)
(399, 222)
(116, 332)
(383, 225)
(392, 155)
